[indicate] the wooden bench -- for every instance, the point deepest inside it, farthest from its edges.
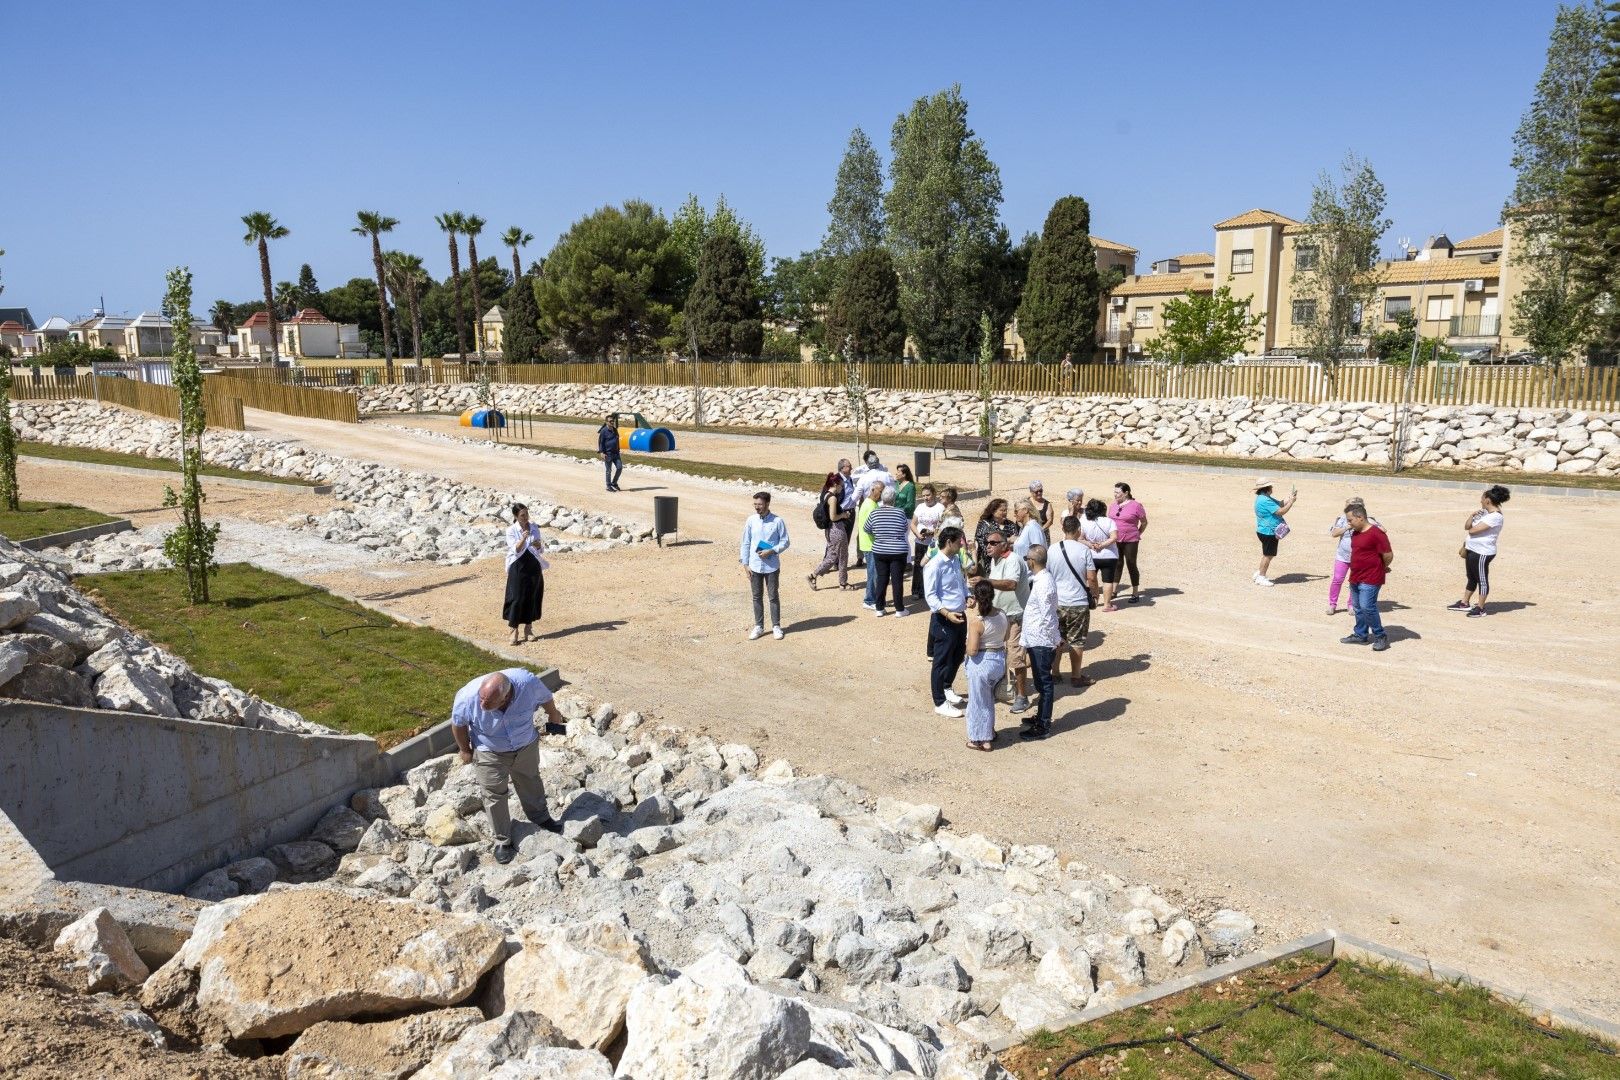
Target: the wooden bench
(973, 444)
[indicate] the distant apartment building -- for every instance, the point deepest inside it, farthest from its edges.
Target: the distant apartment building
(1110, 256)
(308, 334)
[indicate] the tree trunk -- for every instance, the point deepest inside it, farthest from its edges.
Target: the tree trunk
(382, 307)
(455, 279)
(478, 300)
(269, 301)
(517, 270)
(416, 328)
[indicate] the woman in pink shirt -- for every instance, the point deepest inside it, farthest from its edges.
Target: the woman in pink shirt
(1131, 521)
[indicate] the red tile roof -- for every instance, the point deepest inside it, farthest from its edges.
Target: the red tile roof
(309, 315)
(256, 320)
(11, 326)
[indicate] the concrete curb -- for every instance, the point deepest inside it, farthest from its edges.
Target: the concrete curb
(1329, 944)
(73, 536)
(135, 470)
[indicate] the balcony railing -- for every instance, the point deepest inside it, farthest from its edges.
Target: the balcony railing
(1122, 336)
(1475, 326)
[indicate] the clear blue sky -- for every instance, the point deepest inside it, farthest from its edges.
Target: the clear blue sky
(140, 133)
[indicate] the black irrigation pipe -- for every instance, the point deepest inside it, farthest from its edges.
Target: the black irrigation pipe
(1404, 1060)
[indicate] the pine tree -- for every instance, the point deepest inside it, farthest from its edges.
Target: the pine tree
(856, 207)
(863, 321)
(520, 335)
(723, 310)
(1592, 230)
(1058, 315)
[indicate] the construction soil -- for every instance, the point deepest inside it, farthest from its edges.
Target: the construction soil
(1454, 796)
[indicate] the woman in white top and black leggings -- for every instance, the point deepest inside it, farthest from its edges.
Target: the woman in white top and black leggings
(525, 577)
(1101, 535)
(1483, 527)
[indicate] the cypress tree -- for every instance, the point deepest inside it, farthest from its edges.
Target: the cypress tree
(1058, 313)
(863, 321)
(520, 336)
(1592, 230)
(723, 311)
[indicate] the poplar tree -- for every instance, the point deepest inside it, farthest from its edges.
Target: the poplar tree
(1064, 289)
(8, 436)
(190, 545)
(855, 211)
(1345, 224)
(1592, 225)
(863, 321)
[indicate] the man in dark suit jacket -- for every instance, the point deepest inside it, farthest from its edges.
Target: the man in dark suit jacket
(607, 445)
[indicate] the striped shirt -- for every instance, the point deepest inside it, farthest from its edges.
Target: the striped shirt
(889, 530)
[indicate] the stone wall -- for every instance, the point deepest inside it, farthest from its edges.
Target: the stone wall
(1463, 436)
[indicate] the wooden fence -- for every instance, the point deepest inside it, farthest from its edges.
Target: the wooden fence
(223, 409)
(261, 393)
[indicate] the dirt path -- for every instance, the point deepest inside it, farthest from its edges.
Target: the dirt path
(1454, 796)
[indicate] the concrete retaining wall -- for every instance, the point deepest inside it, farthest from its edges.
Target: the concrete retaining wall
(146, 801)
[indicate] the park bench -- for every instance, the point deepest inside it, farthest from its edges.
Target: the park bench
(972, 444)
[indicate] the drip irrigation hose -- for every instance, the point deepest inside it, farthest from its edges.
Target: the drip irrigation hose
(1403, 1059)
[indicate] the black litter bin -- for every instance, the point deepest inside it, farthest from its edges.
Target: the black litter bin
(666, 513)
(922, 463)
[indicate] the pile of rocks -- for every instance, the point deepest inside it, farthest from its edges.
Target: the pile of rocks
(57, 647)
(403, 516)
(1464, 436)
(759, 921)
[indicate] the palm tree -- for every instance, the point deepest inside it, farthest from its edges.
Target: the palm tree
(406, 276)
(515, 238)
(286, 299)
(471, 226)
(372, 223)
(450, 221)
(262, 228)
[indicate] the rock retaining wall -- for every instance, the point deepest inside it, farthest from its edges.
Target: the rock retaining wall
(1463, 436)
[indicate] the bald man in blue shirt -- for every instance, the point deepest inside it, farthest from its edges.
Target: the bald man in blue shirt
(493, 722)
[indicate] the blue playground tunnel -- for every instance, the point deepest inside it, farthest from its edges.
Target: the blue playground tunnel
(647, 440)
(483, 418)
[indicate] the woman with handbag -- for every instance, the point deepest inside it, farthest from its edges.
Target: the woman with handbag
(836, 530)
(986, 663)
(1482, 529)
(1269, 525)
(525, 574)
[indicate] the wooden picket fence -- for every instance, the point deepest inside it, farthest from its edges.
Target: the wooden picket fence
(223, 409)
(260, 393)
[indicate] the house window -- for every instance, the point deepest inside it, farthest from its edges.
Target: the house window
(1439, 309)
(1395, 306)
(1305, 258)
(1304, 312)
(1243, 261)
(1144, 317)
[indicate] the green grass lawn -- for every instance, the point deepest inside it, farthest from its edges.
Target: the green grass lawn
(1459, 1030)
(337, 663)
(137, 461)
(43, 518)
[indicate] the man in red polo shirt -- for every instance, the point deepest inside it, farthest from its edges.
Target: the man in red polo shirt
(1370, 558)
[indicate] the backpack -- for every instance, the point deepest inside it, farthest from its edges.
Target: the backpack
(819, 514)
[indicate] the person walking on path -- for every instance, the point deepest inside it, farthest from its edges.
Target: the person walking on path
(1130, 520)
(863, 542)
(992, 520)
(1039, 636)
(889, 531)
(1370, 559)
(607, 446)
(1269, 526)
(986, 649)
(945, 589)
(764, 538)
(1483, 528)
(1074, 573)
(1042, 509)
(492, 720)
(925, 525)
(1341, 530)
(1009, 577)
(1030, 529)
(1099, 531)
(525, 574)
(830, 509)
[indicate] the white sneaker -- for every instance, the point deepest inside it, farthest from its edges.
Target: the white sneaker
(1267, 582)
(902, 613)
(954, 698)
(776, 632)
(868, 606)
(756, 633)
(950, 710)
(880, 613)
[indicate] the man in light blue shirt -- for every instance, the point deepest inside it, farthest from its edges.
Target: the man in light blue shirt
(493, 722)
(764, 538)
(945, 589)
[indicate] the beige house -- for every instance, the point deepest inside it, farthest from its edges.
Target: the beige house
(494, 323)
(311, 334)
(1110, 256)
(1134, 313)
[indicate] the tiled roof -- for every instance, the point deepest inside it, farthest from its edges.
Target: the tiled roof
(1166, 284)
(55, 322)
(256, 320)
(1485, 241)
(1416, 271)
(494, 315)
(18, 315)
(150, 319)
(1256, 217)
(12, 326)
(1099, 242)
(1195, 259)
(307, 315)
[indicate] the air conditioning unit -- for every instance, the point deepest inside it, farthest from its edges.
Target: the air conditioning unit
(1117, 303)
(1474, 285)
(1136, 347)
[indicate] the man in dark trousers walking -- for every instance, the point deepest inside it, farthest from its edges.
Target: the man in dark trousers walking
(607, 445)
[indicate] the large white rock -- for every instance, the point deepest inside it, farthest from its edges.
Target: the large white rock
(16, 609)
(1066, 972)
(914, 819)
(103, 950)
(723, 1032)
(517, 1046)
(128, 688)
(1229, 929)
(1031, 1008)
(577, 975)
(386, 1050)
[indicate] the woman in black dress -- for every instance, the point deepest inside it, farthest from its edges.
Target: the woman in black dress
(525, 577)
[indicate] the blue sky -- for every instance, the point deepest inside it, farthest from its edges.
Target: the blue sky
(140, 133)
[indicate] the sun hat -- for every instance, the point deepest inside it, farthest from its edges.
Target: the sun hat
(1264, 483)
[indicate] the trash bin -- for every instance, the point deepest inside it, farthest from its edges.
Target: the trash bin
(665, 515)
(922, 463)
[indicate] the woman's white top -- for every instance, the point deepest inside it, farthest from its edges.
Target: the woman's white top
(993, 632)
(1485, 543)
(1096, 530)
(514, 536)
